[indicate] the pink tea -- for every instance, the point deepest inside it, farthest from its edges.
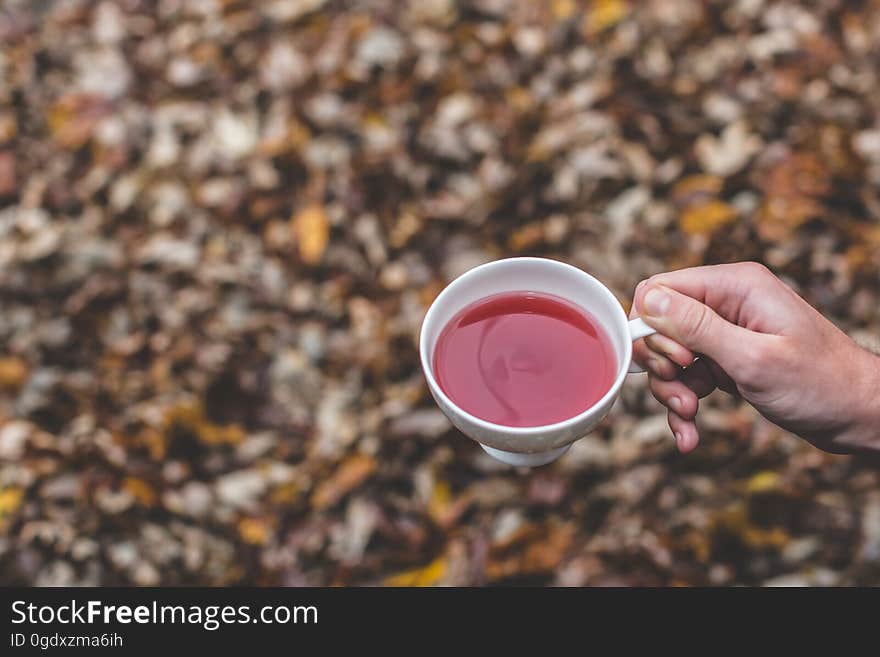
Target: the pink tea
(524, 359)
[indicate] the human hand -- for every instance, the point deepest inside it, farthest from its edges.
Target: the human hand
(754, 336)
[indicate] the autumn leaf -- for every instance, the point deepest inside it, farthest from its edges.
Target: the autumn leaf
(140, 490)
(779, 216)
(348, 476)
(526, 237)
(727, 154)
(10, 500)
(603, 14)
(563, 9)
(13, 372)
(190, 416)
(312, 230)
(706, 218)
(255, 531)
(696, 187)
(735, 520)
(73, 119)
(440, 502)
(763, 482)
(426, 576)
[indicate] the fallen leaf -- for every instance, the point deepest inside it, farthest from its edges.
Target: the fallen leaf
(255, 531)
(539, 556)
(440, 502)
(73, 119)
(426, 576)
(707, 217)
(696, 187)
(190, 416)
(526, 237)
(312, 230)
(779, 216)
(563, 9)
(603, 14)
(348, 476)
(727, 154)
(763, 482)
(140, 490)
(13, 372)
(10, 500)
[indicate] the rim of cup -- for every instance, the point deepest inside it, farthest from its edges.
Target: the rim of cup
(622, 365)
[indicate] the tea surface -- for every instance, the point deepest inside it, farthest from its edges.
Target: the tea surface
(524, 359)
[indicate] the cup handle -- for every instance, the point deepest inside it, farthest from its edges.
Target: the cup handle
(638, 329)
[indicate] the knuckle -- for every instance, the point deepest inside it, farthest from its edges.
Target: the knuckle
(696, 322)
(756, 270)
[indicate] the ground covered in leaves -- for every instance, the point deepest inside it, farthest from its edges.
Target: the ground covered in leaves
(221, 223)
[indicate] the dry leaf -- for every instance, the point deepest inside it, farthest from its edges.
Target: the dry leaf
(255, 531)
(728, 154)
(603, 14)
(427, 576)
(140, 490)
(526, 237)
(10, 500)
(707, 217)
(696, 187)
(563, 9)
(763, 482)
(13, 372)
(312, 230)
(348, 476)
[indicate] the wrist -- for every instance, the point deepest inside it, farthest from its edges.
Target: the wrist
(864, 434)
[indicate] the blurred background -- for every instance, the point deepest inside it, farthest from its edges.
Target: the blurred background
(222, 222)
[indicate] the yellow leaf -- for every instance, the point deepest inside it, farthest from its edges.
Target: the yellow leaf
(763, 482)
(426, 576)
(312, 230)
(140, 490)
(701, 184)
(707, 217)
(285, 494)
(10, 500)
(563, 9)
(603, 14)
(190, 416)
(255, 531)
(13, 372)
(441, 499)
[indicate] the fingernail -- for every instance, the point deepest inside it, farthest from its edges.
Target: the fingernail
(675, 404)
(656, 302)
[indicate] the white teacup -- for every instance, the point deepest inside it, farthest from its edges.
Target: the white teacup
(531, 446)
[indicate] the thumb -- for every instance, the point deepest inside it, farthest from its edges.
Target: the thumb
(694, 325)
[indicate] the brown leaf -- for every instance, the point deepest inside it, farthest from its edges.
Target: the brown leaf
(348, 476)
(696, 188)
(13, 372)
(73, 119)
(779, 216)
(540, 556)
(140, 490)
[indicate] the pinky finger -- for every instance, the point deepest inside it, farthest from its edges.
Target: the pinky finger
(686, 435)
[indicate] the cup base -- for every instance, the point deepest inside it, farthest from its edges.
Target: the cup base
(525, 460)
